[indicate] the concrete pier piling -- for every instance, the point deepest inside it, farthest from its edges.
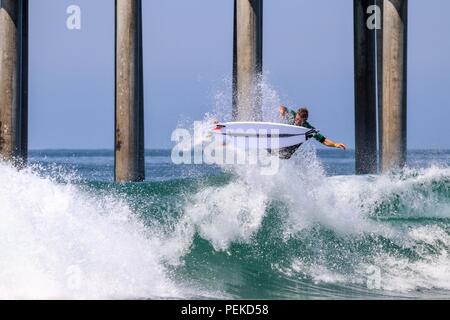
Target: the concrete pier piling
(379, 46)
(14, 80)
(380, 76)
(393, 107)
(247, 59)
(129, 93)
(365, 90)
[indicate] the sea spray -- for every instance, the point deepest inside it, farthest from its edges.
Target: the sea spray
(330, 231)
(193, 232)
(59, 242)
(301, 233)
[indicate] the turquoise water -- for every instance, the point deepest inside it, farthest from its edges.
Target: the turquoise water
(312, 231)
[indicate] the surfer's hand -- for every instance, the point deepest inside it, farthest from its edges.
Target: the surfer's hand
(340, 146)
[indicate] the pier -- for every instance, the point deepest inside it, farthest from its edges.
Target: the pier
(380, 79)
(247, 58)
(393, 89)
(380, 85)
(365, 90)
(129, 91)
(14, 81)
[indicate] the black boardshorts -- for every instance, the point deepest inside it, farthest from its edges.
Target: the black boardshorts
(285, 153)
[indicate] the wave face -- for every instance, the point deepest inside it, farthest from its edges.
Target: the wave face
(302, 234)
(231, 233)
(57, 241)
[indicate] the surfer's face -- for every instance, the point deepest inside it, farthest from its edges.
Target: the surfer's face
(282, 112)
(298, 119)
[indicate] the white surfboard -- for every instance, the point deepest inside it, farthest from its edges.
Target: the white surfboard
(260, 135)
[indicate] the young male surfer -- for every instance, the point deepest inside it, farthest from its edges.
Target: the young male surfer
(301, 120)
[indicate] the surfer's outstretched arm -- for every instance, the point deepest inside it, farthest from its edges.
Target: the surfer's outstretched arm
(332, 144)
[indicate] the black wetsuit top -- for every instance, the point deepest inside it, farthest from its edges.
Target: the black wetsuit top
(286, 153)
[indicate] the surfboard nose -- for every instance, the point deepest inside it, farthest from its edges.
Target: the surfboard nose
(219, 127)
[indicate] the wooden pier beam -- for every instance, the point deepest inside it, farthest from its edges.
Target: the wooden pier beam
(247, 59)
(365, 90)
(129, 93)
(393, 104)
(14, 81)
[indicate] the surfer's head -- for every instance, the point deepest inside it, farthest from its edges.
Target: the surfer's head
(282, 110)
(301, 115)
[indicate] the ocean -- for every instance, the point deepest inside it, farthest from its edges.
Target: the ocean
(314, 230)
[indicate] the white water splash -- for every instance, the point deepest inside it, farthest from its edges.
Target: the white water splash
(346, 205)
(59, 242)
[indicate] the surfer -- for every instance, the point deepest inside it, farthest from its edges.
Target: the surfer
(301, 119)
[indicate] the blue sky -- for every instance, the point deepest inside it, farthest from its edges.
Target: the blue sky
(308, 59)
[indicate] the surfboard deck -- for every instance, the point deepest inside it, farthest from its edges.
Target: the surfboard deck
(260, 135)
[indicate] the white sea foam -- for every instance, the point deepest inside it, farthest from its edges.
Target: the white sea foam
(57, 241)
(345, 205)
(352, 207)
